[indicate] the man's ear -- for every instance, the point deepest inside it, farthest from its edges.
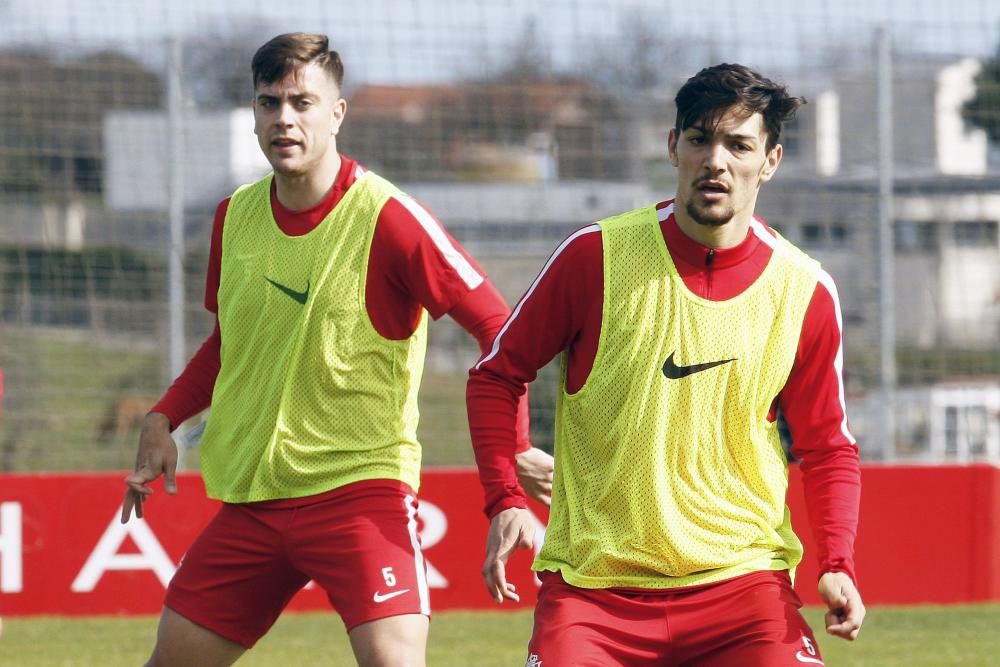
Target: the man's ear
(672, 146)
(771, 164)
(338, 112)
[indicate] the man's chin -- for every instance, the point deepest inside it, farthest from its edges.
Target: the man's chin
(286, 170)
(710, 216)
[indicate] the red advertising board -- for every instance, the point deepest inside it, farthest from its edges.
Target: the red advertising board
(927, 534)
(63, 549)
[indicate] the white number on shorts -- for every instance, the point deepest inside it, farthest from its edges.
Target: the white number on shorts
(808, 644)
(390, 578)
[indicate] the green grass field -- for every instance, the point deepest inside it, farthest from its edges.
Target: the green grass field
(60, 386)
(893, 636)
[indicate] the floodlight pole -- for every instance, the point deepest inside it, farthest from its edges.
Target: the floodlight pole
(175, 194)
(886, 264)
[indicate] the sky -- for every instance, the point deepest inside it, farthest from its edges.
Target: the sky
(434, 40)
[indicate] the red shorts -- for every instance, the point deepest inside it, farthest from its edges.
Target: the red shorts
(752, 620)
(358, 542)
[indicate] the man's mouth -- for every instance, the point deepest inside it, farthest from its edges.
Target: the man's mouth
(709, 187)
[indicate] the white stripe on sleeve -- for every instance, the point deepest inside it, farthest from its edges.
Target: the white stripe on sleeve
(455, 259)
(589, 229)
(665, 212)
(760, 231)
(827, 281)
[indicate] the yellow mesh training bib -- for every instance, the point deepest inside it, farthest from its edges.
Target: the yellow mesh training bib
(668, 471)
(309, 396)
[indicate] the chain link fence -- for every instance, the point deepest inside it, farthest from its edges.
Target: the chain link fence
(124, 123)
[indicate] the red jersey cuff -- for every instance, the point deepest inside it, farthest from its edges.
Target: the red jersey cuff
(506, 503)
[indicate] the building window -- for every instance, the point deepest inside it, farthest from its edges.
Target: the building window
(915, 236)
(975, 233)
(965, 431)
(813, 235)
(840, 235)
(826, 235)
(950, 431)
(791, 139)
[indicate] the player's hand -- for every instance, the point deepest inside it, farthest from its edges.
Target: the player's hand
(510, 529)
(157, 456)
(534, 471)
(845, 612)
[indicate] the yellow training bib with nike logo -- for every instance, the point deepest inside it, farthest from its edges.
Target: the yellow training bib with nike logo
(668, 471)
(309, 396)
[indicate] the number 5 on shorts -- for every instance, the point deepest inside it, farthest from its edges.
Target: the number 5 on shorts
(390, 578)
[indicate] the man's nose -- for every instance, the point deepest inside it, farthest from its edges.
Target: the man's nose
(284, 114)
(715, 158)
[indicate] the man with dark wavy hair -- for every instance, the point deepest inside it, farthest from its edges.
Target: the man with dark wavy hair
(321, 275)
(684, 327)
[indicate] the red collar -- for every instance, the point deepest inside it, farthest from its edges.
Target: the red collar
(687, 250)
(298, 223)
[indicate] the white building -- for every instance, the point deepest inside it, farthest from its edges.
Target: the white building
(836, 133)
(218, 152)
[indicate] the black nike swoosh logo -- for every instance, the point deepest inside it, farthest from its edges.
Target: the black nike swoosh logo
(675, 372)
(298, 296)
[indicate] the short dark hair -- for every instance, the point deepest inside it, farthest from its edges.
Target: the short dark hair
(286, 53)
(707, 95)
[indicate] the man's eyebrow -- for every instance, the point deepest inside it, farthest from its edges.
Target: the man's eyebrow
(729, 135)
(296, 96)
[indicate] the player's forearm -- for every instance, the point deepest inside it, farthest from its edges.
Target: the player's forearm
(191, 392)
(544, 323)
(832, 489)
(493, 406)
(813, 403)
(482, 313)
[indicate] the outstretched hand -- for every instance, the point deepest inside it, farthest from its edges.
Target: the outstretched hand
(845, 610)
(157, 456)
(510, 529)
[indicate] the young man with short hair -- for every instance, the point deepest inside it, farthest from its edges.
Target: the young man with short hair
(321, 276)
(684, 327)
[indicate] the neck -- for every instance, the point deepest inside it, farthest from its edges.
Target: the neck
(728, 235)
(301, 191)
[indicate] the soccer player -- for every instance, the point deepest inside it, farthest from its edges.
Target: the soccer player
(321, 275)
(684, 327)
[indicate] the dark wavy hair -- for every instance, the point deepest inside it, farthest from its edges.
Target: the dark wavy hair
(286, 53)
(707, 95)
